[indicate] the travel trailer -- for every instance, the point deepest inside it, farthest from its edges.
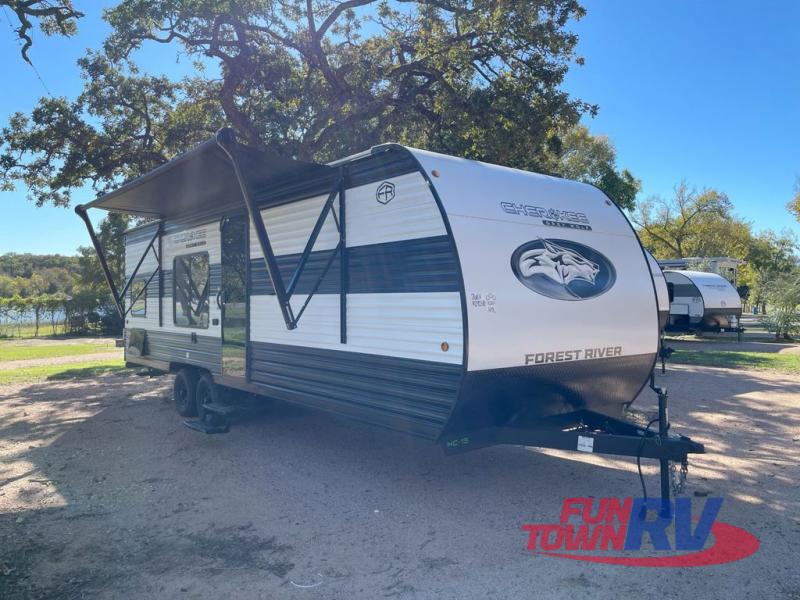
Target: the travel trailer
(702, 302)
(462, 302)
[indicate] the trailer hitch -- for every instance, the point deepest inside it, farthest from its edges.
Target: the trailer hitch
(594, 433)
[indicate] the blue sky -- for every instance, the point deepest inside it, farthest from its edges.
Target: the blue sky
(706, 91)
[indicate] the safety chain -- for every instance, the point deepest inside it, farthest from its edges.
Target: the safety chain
(678, 479)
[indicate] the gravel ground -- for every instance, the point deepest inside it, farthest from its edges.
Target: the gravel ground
(103, 494)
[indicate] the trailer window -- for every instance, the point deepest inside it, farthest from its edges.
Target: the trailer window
(138, 299)
(190, 290)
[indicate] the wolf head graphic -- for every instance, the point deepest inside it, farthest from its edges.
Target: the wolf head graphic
(560, 264)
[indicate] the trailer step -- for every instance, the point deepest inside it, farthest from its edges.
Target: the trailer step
(223, 410)
(206, 427)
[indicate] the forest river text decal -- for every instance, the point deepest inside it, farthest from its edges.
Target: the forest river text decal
(541, 358)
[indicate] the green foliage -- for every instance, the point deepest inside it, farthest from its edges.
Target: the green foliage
(27, 351)
(64, 290)
(110, 233)
(793, 206)
(592, 159)
(81, 370)
(691, 224)
(24, 265)
(766, 361)
(769, 257)
(312, 80)
(316, 81)
(52, 17)
(116, 129)
(783, 297)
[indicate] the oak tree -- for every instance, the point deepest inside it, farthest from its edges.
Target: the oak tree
(318, 79)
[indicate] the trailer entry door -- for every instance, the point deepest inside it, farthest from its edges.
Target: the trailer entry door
(232, 297)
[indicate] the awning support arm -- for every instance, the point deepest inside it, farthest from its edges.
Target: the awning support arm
(312, 239)
(226, 141)
(118, 297)
(319, 280)
(343, 274)
(80, 210)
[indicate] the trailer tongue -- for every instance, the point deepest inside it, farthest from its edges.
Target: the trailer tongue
(462, 302)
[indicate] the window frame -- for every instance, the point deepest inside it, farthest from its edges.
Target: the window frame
(175, 259)
(142, 298)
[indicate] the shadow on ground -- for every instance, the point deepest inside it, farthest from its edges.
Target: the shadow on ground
(104, 494)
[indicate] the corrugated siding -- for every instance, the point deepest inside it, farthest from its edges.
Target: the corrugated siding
(403, 286)
(415, 265)
(411, 214)
(175, 242)
(409, 395)
(404, 303)
(170, 346)
(403, 325)
(133, 252)
(136, 242)
(150, 319)
(289, 225)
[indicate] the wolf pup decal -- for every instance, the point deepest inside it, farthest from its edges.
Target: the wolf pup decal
(562, 269)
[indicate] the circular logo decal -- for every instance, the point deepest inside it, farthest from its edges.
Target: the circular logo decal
(562, 269)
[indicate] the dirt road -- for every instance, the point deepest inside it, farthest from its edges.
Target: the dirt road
(103, 494)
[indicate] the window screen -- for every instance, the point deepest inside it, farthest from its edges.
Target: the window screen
(190, 290)
(138, 299)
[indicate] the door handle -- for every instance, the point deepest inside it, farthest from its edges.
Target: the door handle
(220, 299)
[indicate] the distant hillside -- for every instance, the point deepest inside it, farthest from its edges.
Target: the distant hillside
(25, 265)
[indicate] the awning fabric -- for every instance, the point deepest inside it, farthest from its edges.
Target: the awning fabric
(204, 179)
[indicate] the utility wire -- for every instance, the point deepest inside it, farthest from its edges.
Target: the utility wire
(30, 62)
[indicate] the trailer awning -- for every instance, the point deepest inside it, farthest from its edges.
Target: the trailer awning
(204, 178)
(218, 175)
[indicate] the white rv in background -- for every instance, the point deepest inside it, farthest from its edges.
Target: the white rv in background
(702, 302)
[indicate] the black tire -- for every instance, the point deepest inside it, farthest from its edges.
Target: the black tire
(184, 391)
(206, 392)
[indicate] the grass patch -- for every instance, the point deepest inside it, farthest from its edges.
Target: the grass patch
(79, 370)
(25, 352)
(28, 330)
(763, 361)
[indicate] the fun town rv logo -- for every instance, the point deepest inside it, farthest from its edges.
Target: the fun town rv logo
(562, 269)
(599, 529)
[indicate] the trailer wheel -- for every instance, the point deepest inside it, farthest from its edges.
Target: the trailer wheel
(206, 392)
(184, 391)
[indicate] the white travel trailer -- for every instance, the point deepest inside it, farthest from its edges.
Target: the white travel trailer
(702, 301)
(459, 301)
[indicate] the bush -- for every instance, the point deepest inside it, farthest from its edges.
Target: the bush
(783, 297)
